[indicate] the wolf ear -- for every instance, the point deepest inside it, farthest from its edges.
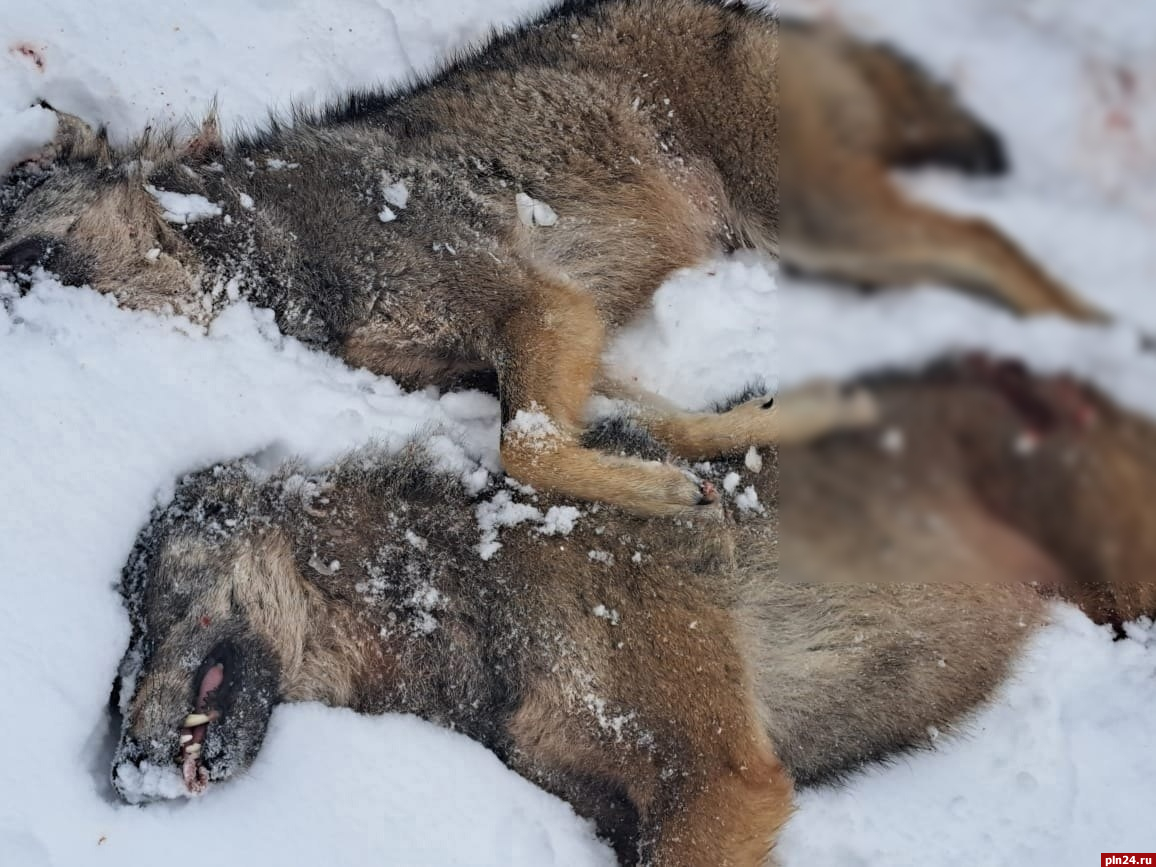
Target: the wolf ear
(76, 140)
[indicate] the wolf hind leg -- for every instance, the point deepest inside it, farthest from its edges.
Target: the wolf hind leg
(858, 227)
(733, 819)
(725, 806)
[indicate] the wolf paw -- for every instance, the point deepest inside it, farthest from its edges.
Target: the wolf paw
(639, 486)
(678, 493)
(750, 423)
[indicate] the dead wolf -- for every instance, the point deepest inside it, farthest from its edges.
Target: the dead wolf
(505, 214)
(511, 210)
(662, 676)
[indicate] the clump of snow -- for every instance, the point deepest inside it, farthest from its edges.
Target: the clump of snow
(605, 613)
(737, 300)
(416, 541)
(533, 426)
(528, 490)
(502, 510)
(322, 568)
(26, 130)
(246, 201)
(731, 482)
(753, 461)
(476, 481)
(892, 440)
(533, 212)
(395, 193)
(748, 501)
(497, 512)
(184, 208)
(559, 520)
(149, 782)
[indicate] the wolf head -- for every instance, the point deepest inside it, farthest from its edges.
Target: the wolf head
(233, 611)
(203, 671)
(90, 218)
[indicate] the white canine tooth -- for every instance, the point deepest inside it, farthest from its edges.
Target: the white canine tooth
(193, 750)
(196, 719)
(186, 739)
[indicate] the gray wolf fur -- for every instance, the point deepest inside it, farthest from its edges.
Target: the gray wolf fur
(675, 686)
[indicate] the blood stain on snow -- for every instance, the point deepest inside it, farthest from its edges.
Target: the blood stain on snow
(31, 52)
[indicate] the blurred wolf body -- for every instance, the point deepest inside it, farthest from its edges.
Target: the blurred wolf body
(981, 471)
(851, 111)
(673, 681)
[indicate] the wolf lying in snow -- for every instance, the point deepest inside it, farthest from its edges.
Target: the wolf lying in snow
(669, 677)
(515, 208)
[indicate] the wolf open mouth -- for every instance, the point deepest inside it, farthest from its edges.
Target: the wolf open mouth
(214, 687)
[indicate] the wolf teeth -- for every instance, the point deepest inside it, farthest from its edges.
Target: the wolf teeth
(186, 739)
(196, 719)
(193, 750)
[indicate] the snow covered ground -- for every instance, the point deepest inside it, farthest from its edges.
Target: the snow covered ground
(101, 409)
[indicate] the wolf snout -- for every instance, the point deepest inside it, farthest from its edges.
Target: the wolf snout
(25, 255)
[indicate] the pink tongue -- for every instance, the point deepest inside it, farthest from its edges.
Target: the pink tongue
(213, 679)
